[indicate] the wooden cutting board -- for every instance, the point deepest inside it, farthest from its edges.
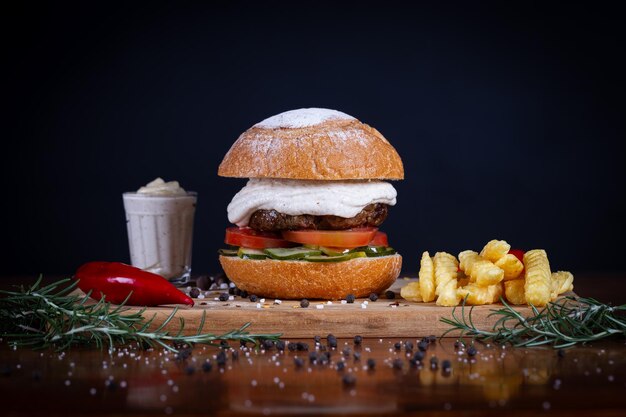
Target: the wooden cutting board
(383, 318)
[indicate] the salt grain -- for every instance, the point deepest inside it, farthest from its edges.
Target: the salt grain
(319, 306)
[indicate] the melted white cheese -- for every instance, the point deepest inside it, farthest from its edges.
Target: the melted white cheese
(319, 198)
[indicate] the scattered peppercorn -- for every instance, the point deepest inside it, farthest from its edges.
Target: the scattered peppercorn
(268, 344)
(298, 362)
(253, 298)
(373, 296)
(183, 354)
(350, 298)
(397, 364)
(397, 345)
(221, 358)
(224, 344)
(207, 366)
(291, 346)
(346, 351)
(223, 296)
(422, 345)
(235, 355)
(390, 294)
(231, 291)
(341, 365)
(348, 380)
(304, 303)
(446, 365)
(190, 370)
(280, 345)
(561, 353)
(242, 343)
(357, 356)
(317, 339)
(302, 346)
(194, 292)
(418, 356)
(408, 346)
(332, 340)
(471, 351)
(432, 338)
(371, 363)
(358, 339)
(243, 294)
(313, 356)
(457, 344)
(434, 362)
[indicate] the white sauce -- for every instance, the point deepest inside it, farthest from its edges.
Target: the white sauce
(302, 118)
(319, 198)
(160, 187)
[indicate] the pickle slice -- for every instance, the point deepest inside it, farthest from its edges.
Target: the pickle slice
(375, 252)
(291, 253)
(335, 252)
(247, 253)
(345, 257)
(228, 252)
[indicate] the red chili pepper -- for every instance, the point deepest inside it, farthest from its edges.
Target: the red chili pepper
(116, 280)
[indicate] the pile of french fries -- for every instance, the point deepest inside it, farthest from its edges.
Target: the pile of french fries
(482, 278)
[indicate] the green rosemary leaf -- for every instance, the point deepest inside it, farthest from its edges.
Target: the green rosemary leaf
(50, 316)
(563, 323)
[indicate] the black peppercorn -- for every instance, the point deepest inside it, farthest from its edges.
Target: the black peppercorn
(235, 355)
(298, 362)
(434, 362)
(418, 356)
(346, 351)
(223, 296)
(471, 351)
(341, 365)
(243, 294)
(302, 346)
(397, 364)
(317, 339)
(446, 365)
(207, 366)
(390, 294)
(408, 346)
(373, 296)
(221, 358)
(304, 303)
(350, 298)
(432, 338)
(268, 344)
(253, 298)
(371, 363)
(280, 345)
(190, 370)
(194, 292)
(357, 356)
(313, 356)
(291, 346)
(348, 380)
(561, 353)
(422, 345)
(358, 339)
(397, 345)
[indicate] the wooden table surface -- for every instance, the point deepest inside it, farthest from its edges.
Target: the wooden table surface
(586, 380)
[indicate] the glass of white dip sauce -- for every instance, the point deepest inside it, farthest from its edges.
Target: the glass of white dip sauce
(159, 219)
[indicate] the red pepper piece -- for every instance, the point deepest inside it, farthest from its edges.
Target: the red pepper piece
(116, 280)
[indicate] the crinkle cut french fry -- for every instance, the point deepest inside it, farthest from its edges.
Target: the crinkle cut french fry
(411, 292)
(479, 295)
(511, 266)
(538, 283)
(514, 291)
(495, 249)
(479, 269)
(562, 281)
(446, 268)
(427, 278)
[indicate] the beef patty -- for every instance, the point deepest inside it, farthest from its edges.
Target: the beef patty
(272, 221)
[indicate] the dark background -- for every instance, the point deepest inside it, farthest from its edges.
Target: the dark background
(509, 118)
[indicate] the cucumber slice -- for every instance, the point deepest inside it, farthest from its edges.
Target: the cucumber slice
(345, 257)
(291, 253)
(335, 252)
(228, 252)
(382, 252)
(246, 253)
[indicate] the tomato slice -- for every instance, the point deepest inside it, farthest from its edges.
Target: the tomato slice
(250, 238)
(350, 238)
(380, 239)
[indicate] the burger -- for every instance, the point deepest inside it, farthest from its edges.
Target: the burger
(307, 221)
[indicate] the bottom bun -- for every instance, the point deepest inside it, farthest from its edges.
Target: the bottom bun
(314, 280)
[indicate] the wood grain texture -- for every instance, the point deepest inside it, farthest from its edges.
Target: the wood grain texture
(383, 318)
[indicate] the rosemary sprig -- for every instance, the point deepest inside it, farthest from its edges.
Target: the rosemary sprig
(44, 316)
(563, 323)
